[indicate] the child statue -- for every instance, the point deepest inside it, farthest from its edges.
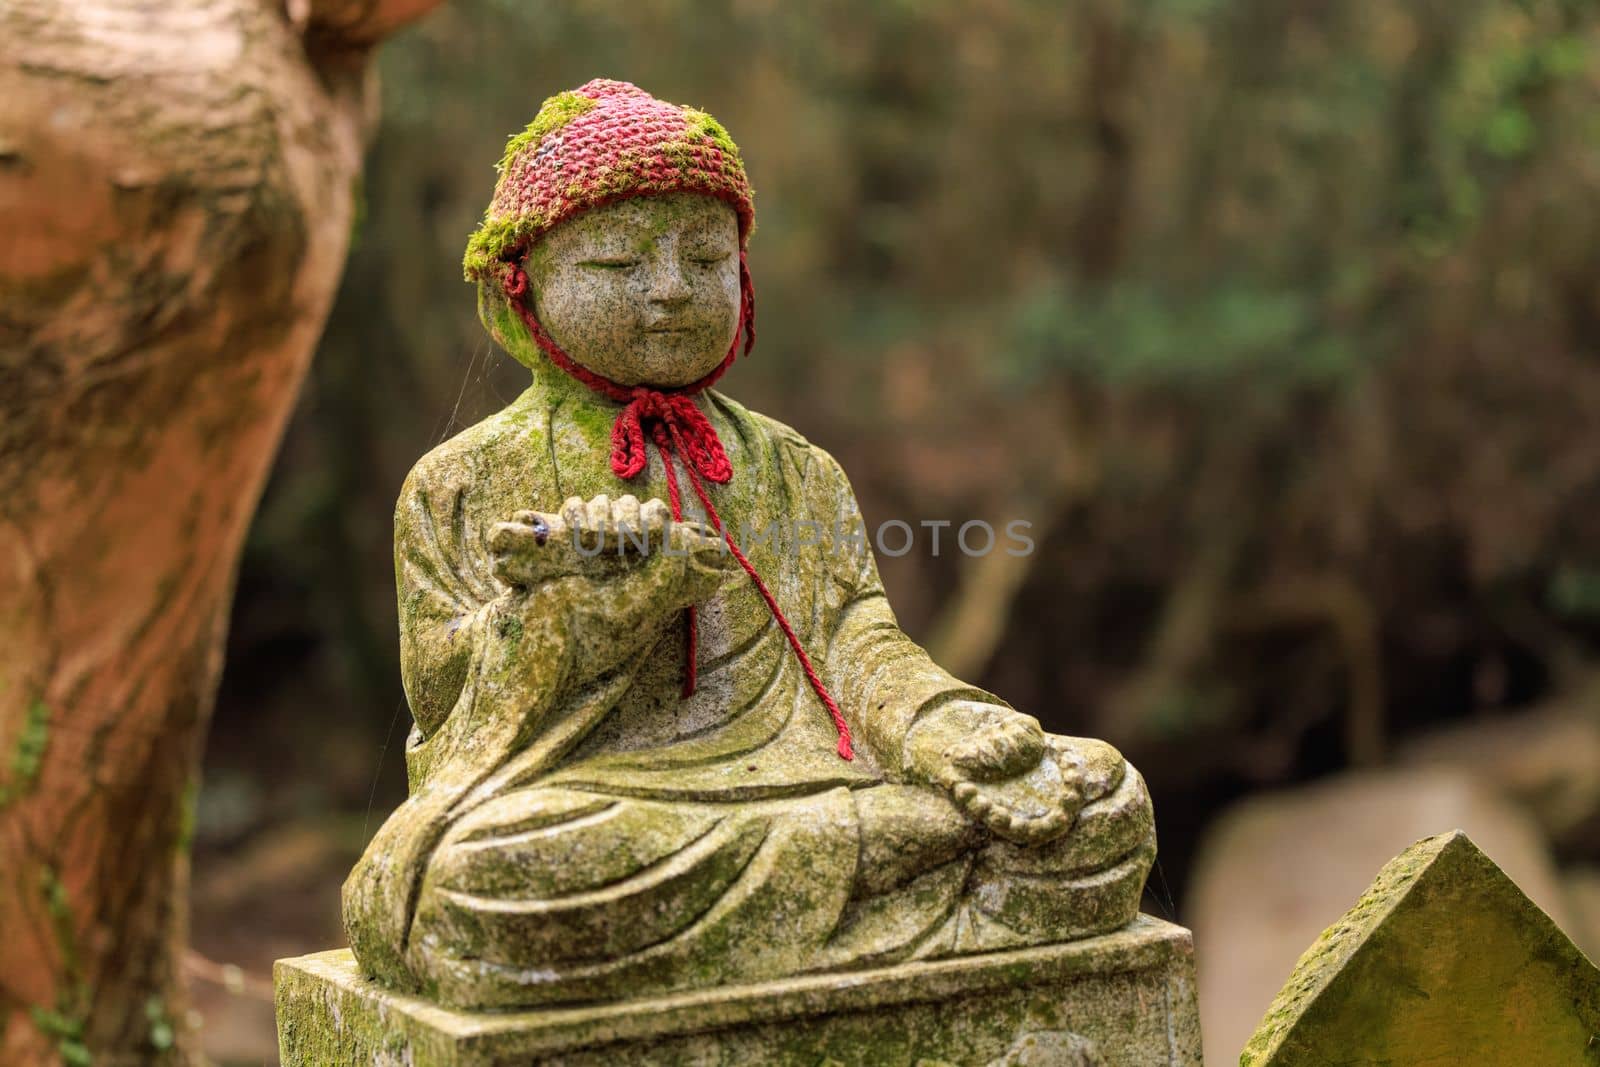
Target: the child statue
(668, 733)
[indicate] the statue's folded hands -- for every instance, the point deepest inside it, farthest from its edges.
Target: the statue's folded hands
(998, 765)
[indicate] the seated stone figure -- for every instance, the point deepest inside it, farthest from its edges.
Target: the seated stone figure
(668, 733)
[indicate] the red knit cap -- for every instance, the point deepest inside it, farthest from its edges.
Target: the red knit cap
(603, 142)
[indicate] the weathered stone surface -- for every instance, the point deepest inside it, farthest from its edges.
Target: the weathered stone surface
(583, 824)
(917, 871)
(1443, 961)
(1120, 999)
(1277, 869)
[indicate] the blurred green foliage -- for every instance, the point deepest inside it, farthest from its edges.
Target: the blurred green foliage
(1277, 319)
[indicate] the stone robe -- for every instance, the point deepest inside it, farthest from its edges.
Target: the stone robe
(576, 831)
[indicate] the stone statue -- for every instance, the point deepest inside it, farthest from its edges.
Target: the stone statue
(668, 733)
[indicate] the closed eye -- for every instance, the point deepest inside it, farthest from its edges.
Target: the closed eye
(619, 263)
(710, 260)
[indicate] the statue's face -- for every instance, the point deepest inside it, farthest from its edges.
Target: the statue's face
(644, 291)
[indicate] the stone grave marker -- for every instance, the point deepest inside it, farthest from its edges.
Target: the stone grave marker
(1443, 961)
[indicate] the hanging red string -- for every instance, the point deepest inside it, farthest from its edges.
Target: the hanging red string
(677, 427)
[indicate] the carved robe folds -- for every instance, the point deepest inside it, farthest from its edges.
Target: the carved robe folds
(576, 831)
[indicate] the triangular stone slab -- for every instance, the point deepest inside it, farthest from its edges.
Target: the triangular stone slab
(1442, 961)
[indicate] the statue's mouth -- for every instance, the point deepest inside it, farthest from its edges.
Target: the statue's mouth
(671, 325)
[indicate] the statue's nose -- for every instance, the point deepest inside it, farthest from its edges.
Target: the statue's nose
(667, 282)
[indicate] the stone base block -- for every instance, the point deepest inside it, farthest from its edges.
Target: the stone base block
(1126, 998)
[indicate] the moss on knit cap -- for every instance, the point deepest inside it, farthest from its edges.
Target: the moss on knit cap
(602, 142)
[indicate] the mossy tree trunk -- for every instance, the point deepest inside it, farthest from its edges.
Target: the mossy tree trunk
(177, 192)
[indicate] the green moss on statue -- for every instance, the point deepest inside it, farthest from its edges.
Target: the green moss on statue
(555, 113)
(624, 780)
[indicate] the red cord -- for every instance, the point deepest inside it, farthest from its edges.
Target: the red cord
(846, 751)
(691, 626)
(678, 426)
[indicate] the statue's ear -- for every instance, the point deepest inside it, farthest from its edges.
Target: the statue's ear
(505, 325)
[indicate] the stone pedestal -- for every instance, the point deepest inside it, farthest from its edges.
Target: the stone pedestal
(1126, 998)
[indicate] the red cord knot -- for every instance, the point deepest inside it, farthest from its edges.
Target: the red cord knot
(670, 416)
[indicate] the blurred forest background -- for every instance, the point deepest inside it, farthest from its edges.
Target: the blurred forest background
(1279, 321)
